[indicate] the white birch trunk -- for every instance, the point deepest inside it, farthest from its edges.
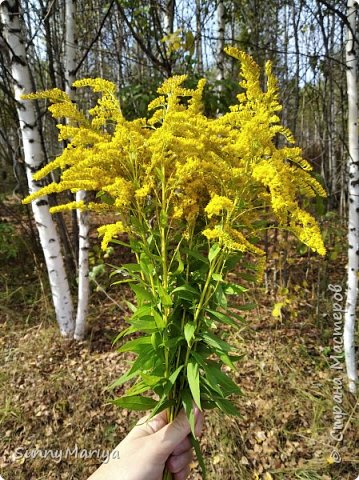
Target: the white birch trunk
(70, 46)
(83, 275)
(82, 217)
(199, 50)
(353, 196)
(220, 42)
(34, 159)
(168, 17)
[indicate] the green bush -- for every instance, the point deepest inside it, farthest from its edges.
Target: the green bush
(9, 241)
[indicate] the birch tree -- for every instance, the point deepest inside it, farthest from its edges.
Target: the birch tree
(34, 159)
(169, 16)
(220, 41)
(198, 37)
(353, 194)
(82, 217)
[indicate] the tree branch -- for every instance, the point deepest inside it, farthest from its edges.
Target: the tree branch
(138, 39)
(94, 40)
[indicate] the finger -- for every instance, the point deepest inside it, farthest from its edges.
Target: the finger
(199, 421)
(183, 446)
(176, 463)
(183, 474)
(168, 438)
(144, 427)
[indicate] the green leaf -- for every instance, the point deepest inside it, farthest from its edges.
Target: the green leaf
(208, 405)
(187, 292)
(144, 324)
(238, 317)
(193, 381)
(129, 268)
(216, 342)
(188, 408)
(173, 377)
(217, 277)
(233, 289)
(187, 288)
(143, 311)
(105, 198)
(137, 388)
(135, 222)
(196, 255)
(161, 405)
(135, 345)
(146, 266)
(213, 252)
(220, 297)
(130, 305)
(141, 293)
(135, 402)
(166, 300)
(247, 306)
(139, 364)
(200, 358)
(189, 330)
(202, 350)
(151, 380)
(125, 331)
(156, 340)
(180, 266)
(121, 282)
(160, 321)
(212, 386)
(229, 359)
(248, 277)
(218, 378)
(227, 407)
(199, 455)
(221, 317)
(119, 242)
(172, 380)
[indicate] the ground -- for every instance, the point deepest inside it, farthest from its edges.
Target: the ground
(53, 391)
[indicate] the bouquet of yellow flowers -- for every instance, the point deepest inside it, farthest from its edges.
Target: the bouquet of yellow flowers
(192, 194)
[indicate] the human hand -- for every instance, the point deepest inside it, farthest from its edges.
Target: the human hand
(149, 447)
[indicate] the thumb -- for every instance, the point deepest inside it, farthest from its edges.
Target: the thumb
(168, 437)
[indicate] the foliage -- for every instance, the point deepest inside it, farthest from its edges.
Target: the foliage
(9, 241)
(193, 194)
(97, 266)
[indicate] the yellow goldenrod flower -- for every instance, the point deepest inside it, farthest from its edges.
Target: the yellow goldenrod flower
(217, 204)
(109, 231)
(224, 170)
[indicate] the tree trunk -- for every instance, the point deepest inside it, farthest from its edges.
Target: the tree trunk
(169, 15)
(199, 50)
(83, 276)
(353, 194)
(220, 42)
(82, 217)
(34, 159)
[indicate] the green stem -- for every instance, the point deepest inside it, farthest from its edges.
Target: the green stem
(203, 299)
(164, 265)
(167, 475)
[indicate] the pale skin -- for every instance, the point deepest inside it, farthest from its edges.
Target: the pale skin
(149, 447)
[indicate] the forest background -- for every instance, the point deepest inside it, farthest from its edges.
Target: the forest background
(52, 391)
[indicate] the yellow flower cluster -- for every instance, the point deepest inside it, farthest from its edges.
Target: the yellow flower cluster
(109, 231)
(217, 204)
(232, 239)
(214, 174)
